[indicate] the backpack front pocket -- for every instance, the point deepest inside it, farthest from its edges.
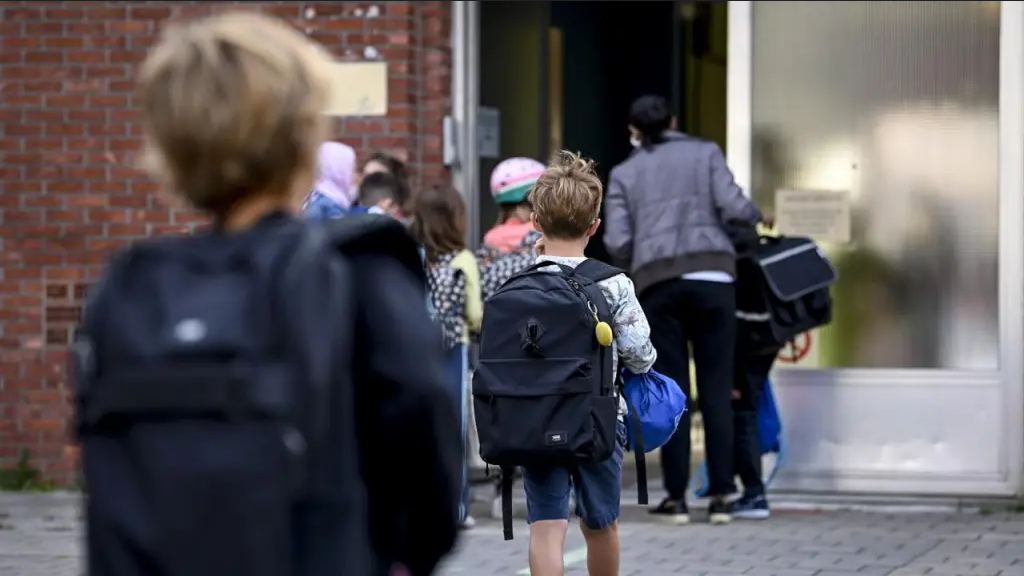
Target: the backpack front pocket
(535, 412)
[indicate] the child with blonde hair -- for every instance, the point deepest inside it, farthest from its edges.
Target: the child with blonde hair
(221, 427)
(528, 394)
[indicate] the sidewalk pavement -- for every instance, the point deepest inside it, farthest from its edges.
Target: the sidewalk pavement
(40, 536)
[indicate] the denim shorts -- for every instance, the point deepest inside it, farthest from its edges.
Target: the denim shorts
(598, 490)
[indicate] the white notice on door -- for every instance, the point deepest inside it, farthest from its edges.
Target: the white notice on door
(821, 215)
(488, 126)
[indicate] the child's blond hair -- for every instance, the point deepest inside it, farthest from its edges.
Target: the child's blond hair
(567, 198)
(232, 106)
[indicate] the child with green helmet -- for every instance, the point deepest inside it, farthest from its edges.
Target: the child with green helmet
(511, 182)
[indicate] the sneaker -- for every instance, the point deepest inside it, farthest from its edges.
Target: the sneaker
(751, 508)
(672, 511)
(468, 523)
(719, 512)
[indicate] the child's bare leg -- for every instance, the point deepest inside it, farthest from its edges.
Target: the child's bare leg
(547, 543)
(602, 550)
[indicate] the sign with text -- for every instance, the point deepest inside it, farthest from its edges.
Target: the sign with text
(822, 215)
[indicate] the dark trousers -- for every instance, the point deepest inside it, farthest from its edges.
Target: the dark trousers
(700, 314)
(456, 363)
(751, 372)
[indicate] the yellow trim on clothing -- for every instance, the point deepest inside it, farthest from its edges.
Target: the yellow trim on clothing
(466, 262)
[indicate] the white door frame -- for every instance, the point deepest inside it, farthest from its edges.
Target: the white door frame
(1011, 236)
(969, 398)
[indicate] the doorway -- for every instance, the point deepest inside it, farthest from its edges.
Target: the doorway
(562, 75)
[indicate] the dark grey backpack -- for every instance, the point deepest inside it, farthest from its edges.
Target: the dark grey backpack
(215, 404)
(544, 392)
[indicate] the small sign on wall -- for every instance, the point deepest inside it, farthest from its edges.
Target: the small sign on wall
(488, 132)
(823, 216)
(358, 89)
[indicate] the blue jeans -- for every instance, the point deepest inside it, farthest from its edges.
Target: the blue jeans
(598, 490)
(457, 368)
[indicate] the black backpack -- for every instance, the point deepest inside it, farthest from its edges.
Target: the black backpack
(215, 404)
(543, 391)
(782, 291)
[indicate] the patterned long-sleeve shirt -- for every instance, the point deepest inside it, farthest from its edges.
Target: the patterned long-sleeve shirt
(629, 323)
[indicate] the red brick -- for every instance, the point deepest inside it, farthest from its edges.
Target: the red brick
(70, 194)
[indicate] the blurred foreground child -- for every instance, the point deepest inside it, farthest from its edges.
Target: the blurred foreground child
(237, 388)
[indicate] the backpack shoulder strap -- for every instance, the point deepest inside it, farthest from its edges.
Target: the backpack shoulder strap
(309, 288)
(366, 234)
(305, 299)
(566, 270)
(596, 271)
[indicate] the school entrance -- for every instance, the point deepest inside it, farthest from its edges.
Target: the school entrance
(561, 75)
(891, 132)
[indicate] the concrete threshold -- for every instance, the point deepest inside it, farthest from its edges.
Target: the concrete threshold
(785, 503)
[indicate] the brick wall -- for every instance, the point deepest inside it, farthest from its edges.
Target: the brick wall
(68, 193)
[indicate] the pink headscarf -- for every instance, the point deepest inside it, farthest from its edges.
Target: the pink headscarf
(336, 165)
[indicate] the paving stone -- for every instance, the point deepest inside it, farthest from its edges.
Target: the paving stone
(40, 535)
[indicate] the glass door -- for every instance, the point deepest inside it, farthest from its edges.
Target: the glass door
(903, 116)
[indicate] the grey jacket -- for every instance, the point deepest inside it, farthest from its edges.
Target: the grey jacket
(666, 207)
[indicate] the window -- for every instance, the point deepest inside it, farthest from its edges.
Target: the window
(896, 103)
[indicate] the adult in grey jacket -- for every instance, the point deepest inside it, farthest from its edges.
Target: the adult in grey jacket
(666, 210)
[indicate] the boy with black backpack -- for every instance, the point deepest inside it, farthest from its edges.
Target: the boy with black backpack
(554, 338)
(241, 393)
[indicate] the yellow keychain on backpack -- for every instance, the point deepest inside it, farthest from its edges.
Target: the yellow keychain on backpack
(604, 333)
(602, 330)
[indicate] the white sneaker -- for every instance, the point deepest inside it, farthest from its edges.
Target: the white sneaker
(468, 523)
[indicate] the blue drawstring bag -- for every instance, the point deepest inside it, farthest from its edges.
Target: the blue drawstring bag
(656, 403)
(769, 426)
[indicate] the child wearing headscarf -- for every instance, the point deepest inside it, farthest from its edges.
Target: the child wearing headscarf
(334, 191)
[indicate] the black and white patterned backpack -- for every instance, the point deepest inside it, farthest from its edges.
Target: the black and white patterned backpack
(530, 240)
(447, 298)
(496, 267)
